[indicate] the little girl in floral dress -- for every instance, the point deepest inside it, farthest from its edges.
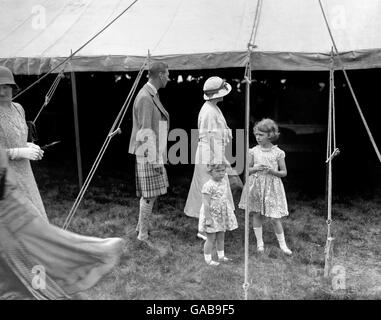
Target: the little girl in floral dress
(266, 195)
(216, 213)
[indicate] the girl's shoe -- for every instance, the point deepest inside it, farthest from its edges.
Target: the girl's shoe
(224, 259)
(282, 243)
(261, 248)
(286, 250)
(213, 263)
(201, 236)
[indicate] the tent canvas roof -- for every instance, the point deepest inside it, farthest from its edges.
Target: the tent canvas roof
(35, 35)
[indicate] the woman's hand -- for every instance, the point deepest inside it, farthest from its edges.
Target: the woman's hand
(40, 152)
(31, 152)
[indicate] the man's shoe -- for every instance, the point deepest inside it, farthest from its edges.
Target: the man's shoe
(224, 259)
(137, 233)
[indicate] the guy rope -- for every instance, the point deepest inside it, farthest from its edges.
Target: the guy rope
(32, 136)
(115, 129)
(50, 93)
(332, 151)
(349, 84)
(32, 131)
(76, 51)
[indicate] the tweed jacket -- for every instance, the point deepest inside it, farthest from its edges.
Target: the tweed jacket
(150, 126)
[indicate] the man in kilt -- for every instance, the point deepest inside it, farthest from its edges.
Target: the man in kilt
(149, 144)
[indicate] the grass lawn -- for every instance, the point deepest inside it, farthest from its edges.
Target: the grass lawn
(175, 269)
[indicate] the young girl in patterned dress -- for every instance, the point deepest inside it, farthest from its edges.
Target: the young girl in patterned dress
(216, 213)
(266, 195)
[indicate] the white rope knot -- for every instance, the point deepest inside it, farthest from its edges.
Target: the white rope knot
(247, 80)
(246, 286)
(117, 131)
(251, 46)
(335, 153)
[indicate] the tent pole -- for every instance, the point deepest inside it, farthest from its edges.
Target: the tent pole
(247, 124)
(331, 152)
(250, 47)
(76, 127)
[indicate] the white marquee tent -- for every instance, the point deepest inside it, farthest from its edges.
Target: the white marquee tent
(35, 35)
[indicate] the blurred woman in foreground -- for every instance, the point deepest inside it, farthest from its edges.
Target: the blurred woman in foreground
(51, 263)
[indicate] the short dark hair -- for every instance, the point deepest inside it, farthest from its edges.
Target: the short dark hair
(156, 68)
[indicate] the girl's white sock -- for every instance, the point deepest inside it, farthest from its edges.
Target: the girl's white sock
(281, 239)
(258, 236)
(208, 258)
(220, 254)
(282, 243)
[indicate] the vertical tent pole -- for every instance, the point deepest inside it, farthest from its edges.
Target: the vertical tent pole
(247, 124)
(331, 151)
(250, 46)
(76, 126)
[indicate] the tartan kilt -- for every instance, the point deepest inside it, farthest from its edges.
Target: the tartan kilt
(150, 183)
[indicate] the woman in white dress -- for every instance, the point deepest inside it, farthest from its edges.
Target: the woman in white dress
(214, 135)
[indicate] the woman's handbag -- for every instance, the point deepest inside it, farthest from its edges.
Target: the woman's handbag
(32, 132)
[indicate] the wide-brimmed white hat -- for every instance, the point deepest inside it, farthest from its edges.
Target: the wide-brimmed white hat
(215, 87)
